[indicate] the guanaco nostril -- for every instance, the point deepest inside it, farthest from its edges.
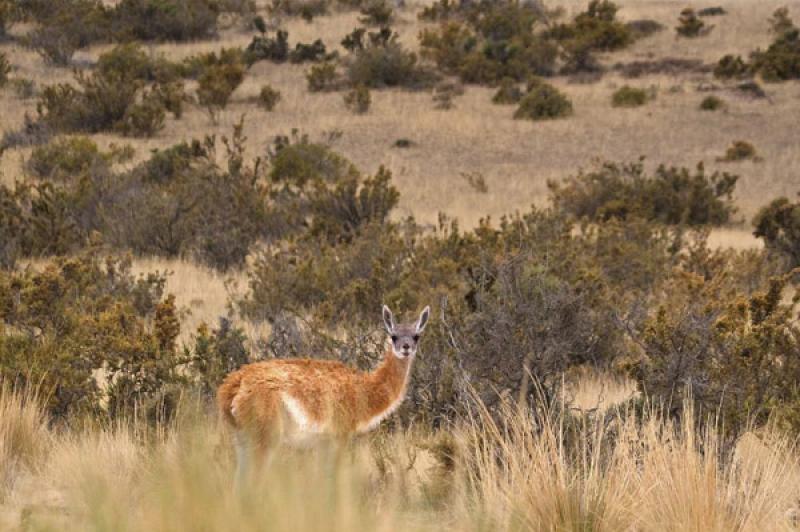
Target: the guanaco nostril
(406, 347)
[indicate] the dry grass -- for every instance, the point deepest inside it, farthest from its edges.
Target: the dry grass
(532, 470)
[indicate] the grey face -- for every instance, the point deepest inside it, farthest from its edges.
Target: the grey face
(405, 336)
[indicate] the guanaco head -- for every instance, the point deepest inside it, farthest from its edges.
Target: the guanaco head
(405, 336)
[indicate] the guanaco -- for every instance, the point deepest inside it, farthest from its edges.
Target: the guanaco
(295, 401)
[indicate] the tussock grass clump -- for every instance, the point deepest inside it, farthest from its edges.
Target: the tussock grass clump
(24, 435)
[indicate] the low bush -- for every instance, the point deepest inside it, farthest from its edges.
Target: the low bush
(322, 77)
(670, 196)
(66, 26)
(113, 98)
(731, 67)
(596, 29)
(543, 102)
(69, 158)
(165, 20)
(781, 60)
(268, 98)
(376, 13)
(740, 150)
(495, 41)
(690, 25)
(76, 316)
(219, 80)
(383, 62)
(358, 100)
(711, 103)
(627, 96)
(263, 48)
(778, 224)
(306, 9)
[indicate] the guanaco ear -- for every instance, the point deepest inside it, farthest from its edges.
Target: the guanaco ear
(423, 319)
(388, 319)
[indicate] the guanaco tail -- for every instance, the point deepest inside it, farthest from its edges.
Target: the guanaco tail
(294, 401)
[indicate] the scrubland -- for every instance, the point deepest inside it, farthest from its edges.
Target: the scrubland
(600, 208)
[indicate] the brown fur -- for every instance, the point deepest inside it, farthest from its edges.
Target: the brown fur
(335, 397)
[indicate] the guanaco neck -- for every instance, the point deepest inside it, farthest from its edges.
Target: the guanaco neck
(386, 385)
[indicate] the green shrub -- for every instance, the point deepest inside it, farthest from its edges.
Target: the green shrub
(781, 60)
(165, 20)
(690, 25)
(322, 77)
(543, 102)
(780, 22)
(358, 100)
(217, 83)
(383, 62)
(627, 96)
(64, 324)
(67, 26)
(215, 353)
(737, 356)
(376, 13)
(263, 48)
(306, 9)
(63, 158)
(779, 225)
(144, 118)
(711, 103)
(731, 67)
(497, 40)
(596, 29)
(313, 52)
(740, 150)
(671, 196)
(507, 93)
(113, 98)
(268, 98)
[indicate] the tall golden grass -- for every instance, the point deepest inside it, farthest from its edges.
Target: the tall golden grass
(518, 469)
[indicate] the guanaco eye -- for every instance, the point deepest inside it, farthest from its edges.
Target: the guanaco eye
(416, 338)
(394, 338)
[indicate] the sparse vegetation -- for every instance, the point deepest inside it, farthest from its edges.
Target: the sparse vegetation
(268, 98)
(543, 102)
(711, 103)
(358, 100)
(624, 339)
(740, 150)
(627, 96)
(690, 25)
